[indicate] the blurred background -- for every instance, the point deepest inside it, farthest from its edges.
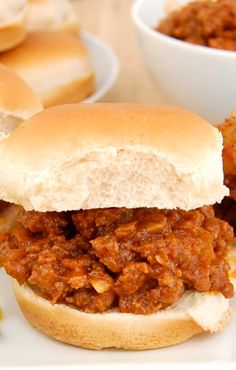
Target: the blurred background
(110, 20)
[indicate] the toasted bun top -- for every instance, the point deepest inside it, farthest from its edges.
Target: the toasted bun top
(51, 15)
(17, 100)
(43, 48)
(112, 155)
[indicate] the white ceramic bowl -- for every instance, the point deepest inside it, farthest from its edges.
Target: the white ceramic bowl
(194, 77)
(105, 63)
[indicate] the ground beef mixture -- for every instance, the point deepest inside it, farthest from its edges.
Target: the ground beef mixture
(139, 260)
(209, 23)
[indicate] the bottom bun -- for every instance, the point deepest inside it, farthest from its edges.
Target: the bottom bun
(194, 313)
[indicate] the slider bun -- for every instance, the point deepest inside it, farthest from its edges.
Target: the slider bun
(55, 65)
(53, 15)
(194, 313)
(12, 23)
(17, 100)
(86, 156)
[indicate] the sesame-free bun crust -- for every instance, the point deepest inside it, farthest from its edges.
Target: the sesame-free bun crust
(112, 155)
(12, 23)
(53, 15)
(53, 63)
(193, 314)
(17, 101)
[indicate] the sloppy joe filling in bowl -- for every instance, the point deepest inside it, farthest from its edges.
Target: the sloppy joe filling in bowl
(207, 23)
(135, 260)
(189, 48)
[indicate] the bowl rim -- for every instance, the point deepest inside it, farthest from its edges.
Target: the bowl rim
(135, 9)
(114, 63)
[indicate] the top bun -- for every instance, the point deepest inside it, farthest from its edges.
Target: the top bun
(53, 15)
(17, 100)
(12, 23)
(112, 155)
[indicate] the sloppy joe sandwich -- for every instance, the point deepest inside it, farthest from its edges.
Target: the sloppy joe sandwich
(55, 65)
(12, 23)
(53, 15)
(117, 244)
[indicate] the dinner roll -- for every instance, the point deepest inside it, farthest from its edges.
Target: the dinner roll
(55, 65)
(17, 100)
(53, 15)
(12, 23)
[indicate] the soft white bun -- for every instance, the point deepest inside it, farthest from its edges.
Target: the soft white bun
(194, 313)
(17, 101)
(12, 23)
(85, 156)
(55, 65)
(53, 15)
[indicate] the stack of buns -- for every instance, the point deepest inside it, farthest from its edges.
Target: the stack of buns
(40, 41)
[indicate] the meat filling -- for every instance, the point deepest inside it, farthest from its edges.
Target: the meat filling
(208, 23)
(137, 260)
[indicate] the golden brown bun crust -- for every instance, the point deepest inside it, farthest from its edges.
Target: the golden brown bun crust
(85, 125)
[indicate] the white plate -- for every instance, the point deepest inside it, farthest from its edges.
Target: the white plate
(105, 63)
(22, 346)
